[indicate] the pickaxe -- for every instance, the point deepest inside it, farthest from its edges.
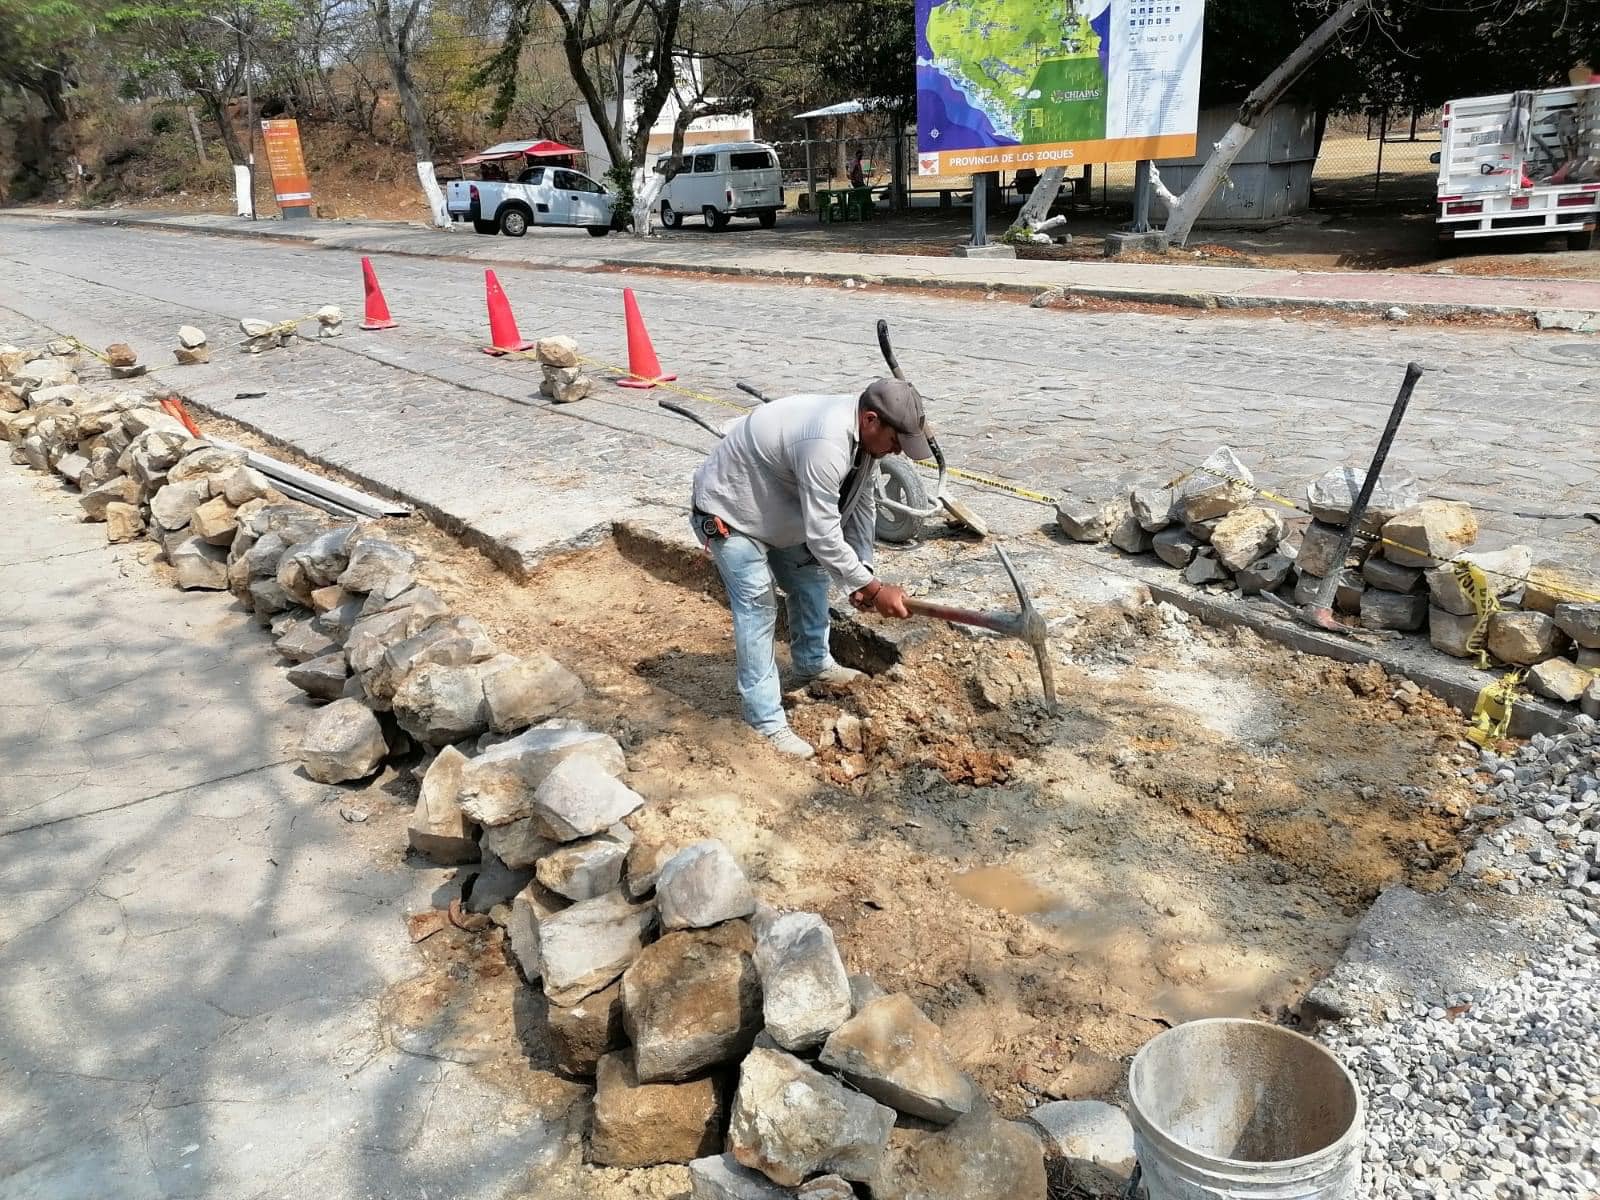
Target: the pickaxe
(1026, 625)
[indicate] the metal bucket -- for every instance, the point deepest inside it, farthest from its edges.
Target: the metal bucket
(1227, 1109)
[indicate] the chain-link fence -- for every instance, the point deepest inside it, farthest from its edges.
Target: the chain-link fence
(1382, 155)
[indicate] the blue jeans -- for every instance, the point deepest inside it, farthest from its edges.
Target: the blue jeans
(749, 570)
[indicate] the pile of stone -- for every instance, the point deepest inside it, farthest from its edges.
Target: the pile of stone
(1400, 576)
(192, 348)
(262, 335)
(330, 321)
(564, 380)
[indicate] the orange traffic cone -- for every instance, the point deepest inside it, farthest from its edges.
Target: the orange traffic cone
(644, 370)
(503, 335)
(377, 310)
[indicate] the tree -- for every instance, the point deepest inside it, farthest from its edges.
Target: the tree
(396, 25)
(866, 49)
(39, 41)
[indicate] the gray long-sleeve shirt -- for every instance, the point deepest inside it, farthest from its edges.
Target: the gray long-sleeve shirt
(777, 475)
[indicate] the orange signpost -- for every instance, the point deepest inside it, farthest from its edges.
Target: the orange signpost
(290, 184)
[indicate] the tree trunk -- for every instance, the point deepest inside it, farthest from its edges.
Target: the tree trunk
(1039, 200)
(194, 130)
(1185, 209)
(396, 48)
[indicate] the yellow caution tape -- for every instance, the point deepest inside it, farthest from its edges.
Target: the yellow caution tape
(1472, 580)
(1491, 715)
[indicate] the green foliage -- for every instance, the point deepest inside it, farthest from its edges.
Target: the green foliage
(866, 49)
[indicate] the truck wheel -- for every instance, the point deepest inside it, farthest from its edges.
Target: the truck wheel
(1583, 239)
(513, 222)
(713, 218)
(671, 218)
(485, 227)
(598, 230)
(898, 480)
(768, 217)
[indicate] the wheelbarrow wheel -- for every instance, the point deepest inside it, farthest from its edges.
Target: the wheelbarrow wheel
(898, 481)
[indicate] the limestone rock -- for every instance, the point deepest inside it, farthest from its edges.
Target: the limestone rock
(494, 884)
(501, 784)
(585, 947)
(1129, 536)
(1318, 545)
(215, 521)
(558, 352)
(1560, 679)
(302, 641)
(242, 485)
(790, 1122)
(530, 907)
(566, 385)
(190, 337)
(339, 621)
(1208, 492)
(439, 703)
(321, 678)
(1590, 704)
(323, 558)
(372, 562)
(979, 1155)
(1522, 638)
(641, 1124)
(204, 463)
(342, 741)
(582, 870)
(1088, 518)
(173, 505)
(893, 1053)
(1151, 506)
(1449, 633)
(1265, 574)
(1432, 532)
(701, 886)
(826, 1187)
(1589, 660)
(863, 991)
(692, 1001)
(722, 1178)
(526, 691)
(1245, 535)
(438, 830)
(124, 522)
(586, 1032)
(150, 455)
(120, 490)
(1332, 496)
(645, 859)
(70, 466)
(120, 354)
(192, 358)
(454, 641)
(11, 400)
(1551, 584)
(1203, 569)
(1175, 547)
(580, 797)
(200, 565)
(1379, 572)
(518, 844)
(1092, 1140)
(1392, 610)
(1580, 622)
(805, 990)
(42, 373)
(1504, 571)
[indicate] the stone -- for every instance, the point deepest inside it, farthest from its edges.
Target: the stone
(1521, 638)
(16, 426)
(642, 1124)
(1129, 536)
(438, 830)
(519, 844)
(341, 742)
(204, 463)
(565, 386)
(826, 1187)
(1265, 574)
(529, 907)
(1589, 660)
(1151, 507)
(1246, 534)
(587, 1031)
(1318, 545)
(1175, 547)
(242, 485)
(584, 948)
(722, 1178)
(893, 1053)
(502, 783)
(1429, 533)
(790, 1122)
(120, 354)
(200, 566)
(494, 884)
(173, 505)
(1393, 610)
(863, 991)
(1203, 569)
(215, 521)
(192, 358)
(439, 703)
(581, 797)
(147, 418)
(372, 562)
(124, 522)
(339, 621)
(302, 641)
(1378, 572)
(1449, 633)
(132, 372)
(1088, 518)
(645, 859)
(120, 490)
(190, 337)
(327, 598)
(1590, 704)
(70, 466)
(526, 691)
(1560, 679)
(1504, 571)
(11, 400)
(558, 351)
(692, 1001)
(1333, 496)
(1580, 622)
(582, 870)
(453, 641)
(102, 468)
(702, 885)
(150, 455)
(1209, 492)
(321, 678)
(325, 556)
(978, 1155)
(42, 373)
(254, 327)
(369, 637)
(1550, 585)
(1092, 1140)
(805, 990)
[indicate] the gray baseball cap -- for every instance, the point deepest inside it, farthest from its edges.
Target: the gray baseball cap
(900, 406)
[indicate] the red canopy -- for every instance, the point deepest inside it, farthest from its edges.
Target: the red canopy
(537, 148)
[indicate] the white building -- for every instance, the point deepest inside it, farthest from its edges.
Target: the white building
(722, 128)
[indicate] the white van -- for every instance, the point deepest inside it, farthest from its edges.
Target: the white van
(729, 179)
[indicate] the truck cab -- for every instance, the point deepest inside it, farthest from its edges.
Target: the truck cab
(722, 181)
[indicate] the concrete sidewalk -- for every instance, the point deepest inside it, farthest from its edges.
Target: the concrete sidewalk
(736, 253)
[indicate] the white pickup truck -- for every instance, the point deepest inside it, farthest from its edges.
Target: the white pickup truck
(1519, 164)
(540, 196)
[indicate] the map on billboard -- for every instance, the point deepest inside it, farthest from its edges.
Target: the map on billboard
(1004, 84)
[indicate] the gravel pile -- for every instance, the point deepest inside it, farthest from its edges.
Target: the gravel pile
(1497, 1093)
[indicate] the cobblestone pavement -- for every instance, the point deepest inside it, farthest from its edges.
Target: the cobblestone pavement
(1041, 397)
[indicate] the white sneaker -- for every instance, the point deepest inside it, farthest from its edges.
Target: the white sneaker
(787, 741)
(834, 675)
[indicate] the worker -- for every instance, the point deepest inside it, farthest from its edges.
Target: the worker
(787, 498)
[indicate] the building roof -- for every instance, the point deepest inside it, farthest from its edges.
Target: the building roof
(845, 108)
(529, 148)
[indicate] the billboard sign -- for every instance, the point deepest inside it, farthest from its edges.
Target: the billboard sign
(1005, 84)
(290, 183)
